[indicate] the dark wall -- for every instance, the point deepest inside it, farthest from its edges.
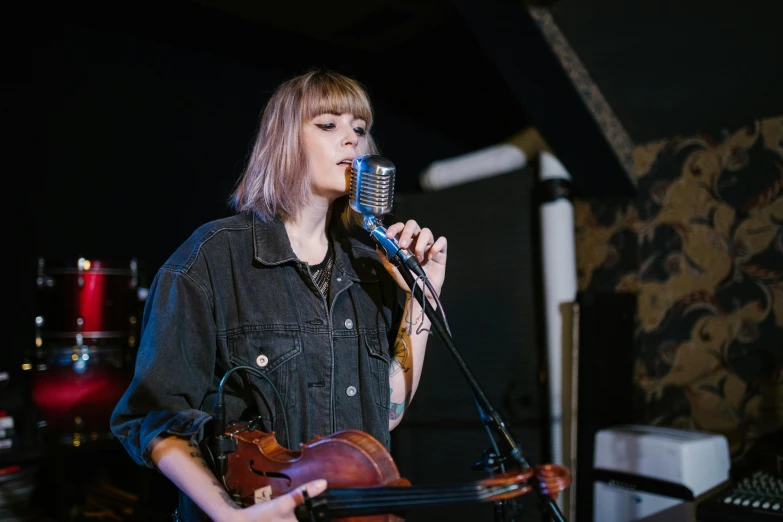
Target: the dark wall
(143, 140)
(144, 123)
(133, 129)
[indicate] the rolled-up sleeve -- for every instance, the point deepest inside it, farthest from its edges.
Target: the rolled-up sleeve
(175, 366)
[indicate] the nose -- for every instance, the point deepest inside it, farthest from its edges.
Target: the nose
(350, 138)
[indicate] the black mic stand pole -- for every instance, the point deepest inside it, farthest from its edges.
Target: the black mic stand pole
(408, 266)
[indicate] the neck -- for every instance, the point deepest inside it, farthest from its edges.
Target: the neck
(308, 233)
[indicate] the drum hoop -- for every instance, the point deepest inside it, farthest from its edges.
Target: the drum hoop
(71, 348)
(91, 335)
(104, 271)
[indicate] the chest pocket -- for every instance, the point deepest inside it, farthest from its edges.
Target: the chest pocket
(275, 354)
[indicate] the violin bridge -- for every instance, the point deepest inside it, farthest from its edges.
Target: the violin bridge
(262, 494)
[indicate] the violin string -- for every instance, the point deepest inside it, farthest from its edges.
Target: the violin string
(393, 492)
(412, 491)
(374, 497)
(407, 502)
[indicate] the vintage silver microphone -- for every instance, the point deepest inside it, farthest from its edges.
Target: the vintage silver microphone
(372, 196)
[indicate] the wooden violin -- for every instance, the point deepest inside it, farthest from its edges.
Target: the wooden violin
(364, 483)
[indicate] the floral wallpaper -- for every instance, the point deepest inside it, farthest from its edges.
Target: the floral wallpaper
(702, 247)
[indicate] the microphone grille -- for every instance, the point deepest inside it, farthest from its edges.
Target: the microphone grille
(372, 185)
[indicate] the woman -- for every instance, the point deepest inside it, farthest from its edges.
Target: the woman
(290, 286)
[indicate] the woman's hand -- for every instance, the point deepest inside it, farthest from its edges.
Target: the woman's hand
(421, 243)
(280, 509)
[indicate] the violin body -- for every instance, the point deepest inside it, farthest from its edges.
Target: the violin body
(364, 484)
(261, 468)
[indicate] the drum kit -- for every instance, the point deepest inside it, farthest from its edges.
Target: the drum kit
(86, 332)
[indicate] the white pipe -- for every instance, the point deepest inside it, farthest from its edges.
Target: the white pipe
(480, 164)
(558, 255)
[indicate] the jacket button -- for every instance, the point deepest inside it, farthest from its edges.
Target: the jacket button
(348, 324)
(262, 360)
(339, 279)
(351, 391)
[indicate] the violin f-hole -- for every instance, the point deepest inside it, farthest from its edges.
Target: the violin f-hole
(270, 474)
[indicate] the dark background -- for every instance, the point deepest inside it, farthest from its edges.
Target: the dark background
(130, 108)
(129, 125)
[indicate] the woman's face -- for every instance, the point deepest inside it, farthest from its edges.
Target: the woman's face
(331, 142)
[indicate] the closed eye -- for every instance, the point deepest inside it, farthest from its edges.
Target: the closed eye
(360, 131)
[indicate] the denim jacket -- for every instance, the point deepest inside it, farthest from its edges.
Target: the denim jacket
(234, 294)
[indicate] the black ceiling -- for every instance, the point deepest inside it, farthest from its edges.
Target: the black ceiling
(665, 67)
(471, 74)
(417, 58)
(670, 67)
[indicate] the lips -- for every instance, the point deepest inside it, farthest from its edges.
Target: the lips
(347, 161)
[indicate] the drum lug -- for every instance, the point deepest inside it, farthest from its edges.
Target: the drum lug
(43, 280)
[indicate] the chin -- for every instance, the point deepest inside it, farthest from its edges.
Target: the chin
(331, 194)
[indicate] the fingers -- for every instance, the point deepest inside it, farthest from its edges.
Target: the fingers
(420, 241)
(406, 232)
(282, 508)
(437, 251)
(313, 488)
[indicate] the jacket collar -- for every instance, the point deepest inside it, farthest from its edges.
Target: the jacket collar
(272, 247)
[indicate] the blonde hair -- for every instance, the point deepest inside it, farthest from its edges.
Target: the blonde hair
(275, 182)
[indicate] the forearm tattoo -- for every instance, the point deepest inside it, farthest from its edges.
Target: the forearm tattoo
(408, 319)
(195, 453)
(225, 496)
(401, 359)
(397, 409)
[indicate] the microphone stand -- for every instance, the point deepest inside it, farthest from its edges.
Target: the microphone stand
(410, 270)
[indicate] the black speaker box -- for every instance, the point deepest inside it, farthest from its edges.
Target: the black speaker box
(606, 393)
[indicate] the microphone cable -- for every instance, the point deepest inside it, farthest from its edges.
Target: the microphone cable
(426, 281)
(224, 444)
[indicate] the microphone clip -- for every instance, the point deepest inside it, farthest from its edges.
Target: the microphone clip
(378, 233)
(394, 253)
(222, 444)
